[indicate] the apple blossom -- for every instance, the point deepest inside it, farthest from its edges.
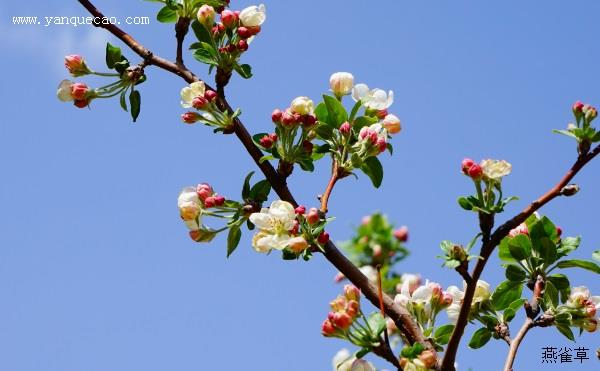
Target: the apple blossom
(475, 172)
(190, 117)
(392, 124)
(520, 229)
(466, 165)
(276, 115)
(228, 18)
(323, 238)
(195, 89)
(495, 169)
(341, 83)
(274, 224)
(375, 99)
(302, 106)
(482, 293)
(342, 361)
(362, 365)
(401, 234)
(211, 95)
(206, 15)
(414, 281)
(313, 216)
(327, 328)
(253, 16)
(76, 65)
(266, 141)
(345, 128)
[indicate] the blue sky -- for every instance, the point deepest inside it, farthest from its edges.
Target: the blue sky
(97, 271)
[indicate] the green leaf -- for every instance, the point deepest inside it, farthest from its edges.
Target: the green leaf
(373, 169)
(520, 247)
(204, 56)
(122, 100)
(480, 338)
(113, 55)
(504, 251)
(233, 238)
(376, 323)
(135, 102)
(363, 121)
(567, 245)
(167, 15)
(260, 191)
(514, 273)
(246, 186)
(506, 293)
(566, 331)
(550, 295)
(564, 132)
(465, 203)
(560, 281)
(335, 110)
(202, 34)
(321, 113)
(245, 70)
(584, 264)
(442, 334)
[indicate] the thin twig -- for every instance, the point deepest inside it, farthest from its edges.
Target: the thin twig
(514, 346)
(334, 178)
(398, 314)
(489, 246)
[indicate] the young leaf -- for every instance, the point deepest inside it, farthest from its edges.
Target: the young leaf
(514, 273)
(113, 55)
(246, 186)
(520, 247)
(465, 203)
(167, 15)
(550, 295)
(596, 255)
(560, 281)
(442, 334)
(122, 100)
(566, 331)
(373, 169)
(336, 111)
(233, 238)
(245, 70)
(376, 323)
(480, 338)
(135, 101)
(260, 191)
(584, 264)
(506, 293)
(202, 34)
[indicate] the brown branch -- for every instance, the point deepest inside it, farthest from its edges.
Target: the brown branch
(398, 314)
(334, 178)
(181, 29)
(489, 245)
(514, 346)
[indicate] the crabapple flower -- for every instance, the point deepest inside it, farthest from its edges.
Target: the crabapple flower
(375, 99)
(482, 293)
(401, 234)
(76, 65)
(342, 361)
(190, 207)
(341, 83)
(392, 124)
(495, 169)
(206, 15)
(274, 226)
(520, 229)
(253, 16)
(414, 281)
(302, 106)
(372, 140)
(362, 365)
(194, 90)
(72, 91)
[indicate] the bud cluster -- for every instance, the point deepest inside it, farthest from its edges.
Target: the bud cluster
(582, 309)
(425, 302)
(205, 100)
(344, 311)
(196, 202)
(490, 173)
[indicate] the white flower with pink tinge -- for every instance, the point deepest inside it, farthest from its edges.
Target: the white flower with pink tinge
(275, 224)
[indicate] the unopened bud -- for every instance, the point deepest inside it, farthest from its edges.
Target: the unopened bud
(210, 95)
(210, 202)
(242, 45)
(190, 117)
(200, 103)
(206, 15)
(266, 141)
(475, 172)
(345, 128)
(308, 146)
(351, 292)
(228, 18)
(428, 358)
(219, 200)
(466, 165)
(569, 190)
(327, 328)
(276, 115)
(313, 216)
(401, 234)
(300, 210)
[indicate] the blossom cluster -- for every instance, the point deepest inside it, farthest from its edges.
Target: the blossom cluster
(582, 307)
(424, 302)
(196, 202)
(489, 173)
(480, 303)
(197, 96)
(344, 310)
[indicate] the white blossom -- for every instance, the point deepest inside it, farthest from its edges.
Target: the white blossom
(253, 16)
(376, 99)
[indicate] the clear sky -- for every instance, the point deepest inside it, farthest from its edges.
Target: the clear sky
(97, 271)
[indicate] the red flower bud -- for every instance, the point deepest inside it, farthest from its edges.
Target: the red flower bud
(190, 117)
(273, 137)
(244, 32)
(200, 103)
(228, 18)
(558, 231)
(219, 200)
(196, 235)
(276, 115)
(342, 320)
(401, 234)
(254, 30)
(266, 141)
(345, 128)
(204, 190)
(81, 103)
(327, 328)
(242, 45)
(381, 114)
(79, 91)
(577, 107)
(295, 228)
(210, 201)
(309, 120)
(300, 210)
(308, 146)
(466, 165)
(313, 216)
(323, 238)
(381, 144)
(210, 95)
(288, 119)
(475, 172)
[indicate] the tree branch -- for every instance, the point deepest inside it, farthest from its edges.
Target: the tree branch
(334, 178)
(514, 346)
(398, 314)
(488, 247)
(181, 29)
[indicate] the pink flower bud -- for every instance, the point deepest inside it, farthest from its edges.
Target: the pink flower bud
(392, 124)
(273, 137)
(219, 200)
(254, 30)
(558, 231)
(342, 320)
(338, 304)
(81, 103)
(590, 310)
(244, 32)
(309, 120)
(466, 165)
(339, 277)
(520, 229)
(204, 190)
(446, 298)
(206, 15)
(196, 235)
(428, 358)
(381, 114)
(577, 107)
(79, 91)
(266, 141)
(200, 103)
(308, 146)
(219, 28)
(210, 201)
(242, 45)
(300, 210)
(327, 328)
(401, 234)
(210, 95)
(276, 115)
(76, 65)
(323, 238)
(228, 18)
(345, 128)
(381, 144)
(351, 292)
(295, 228)
(190, 117)
(298, 244)
(313, 216)
(475, 172)
(288, 119)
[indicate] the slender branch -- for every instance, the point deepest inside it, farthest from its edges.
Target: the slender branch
(398, 314)
(181, 29)
(514, 346)
(334, 178)
(489, 245)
